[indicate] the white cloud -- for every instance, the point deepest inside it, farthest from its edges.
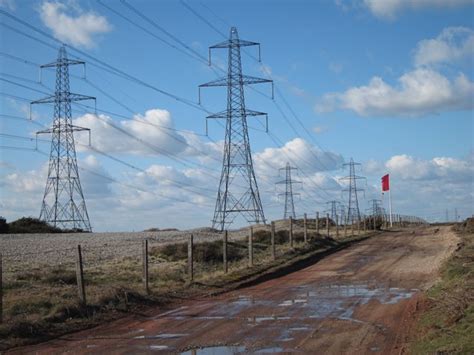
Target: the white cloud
(388, 9)
(71, 24)
(299, 152)
(419, 92)
(439, 168)
(154, 130)
(451, 45)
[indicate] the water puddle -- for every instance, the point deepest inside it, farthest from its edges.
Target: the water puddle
(216, 350)
(161, 336)
(158, 347)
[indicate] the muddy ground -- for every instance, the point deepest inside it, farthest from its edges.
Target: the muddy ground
(364, 299)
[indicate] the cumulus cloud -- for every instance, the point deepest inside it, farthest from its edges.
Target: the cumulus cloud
(389, 9)
(419, 92)
(300, 153)
(441, 183)
(445, 168)
(451, 45)
(154, 132)
(70, 24)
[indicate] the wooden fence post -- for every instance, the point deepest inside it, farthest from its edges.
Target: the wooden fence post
(358, 227)
(251, 247)
(191, 258)
(145, 266)
(327, 224)
(1, 289)
(345, 227)
(305, 225)
(273, 240)
(291, 232)
(365, 224)
(224, 252)
(317, 222)
(352, 228)
(81, 289)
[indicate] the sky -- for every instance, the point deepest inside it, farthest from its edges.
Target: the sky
(388, 83)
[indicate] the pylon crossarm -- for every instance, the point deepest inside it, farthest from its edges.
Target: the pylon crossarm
(217, 82)
(63, 62)
(234, 43)
(46, 100)
(79, 97)
(247, 80)
(82, 129)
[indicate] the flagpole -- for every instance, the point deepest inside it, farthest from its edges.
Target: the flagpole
(390, 205)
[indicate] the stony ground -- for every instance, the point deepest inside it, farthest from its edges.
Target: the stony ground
(36, 250)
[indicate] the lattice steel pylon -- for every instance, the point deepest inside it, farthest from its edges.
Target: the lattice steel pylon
(63, 202)
(376, 208)
(238, 189)
(353, 213)
(289, 182)
(333, 210)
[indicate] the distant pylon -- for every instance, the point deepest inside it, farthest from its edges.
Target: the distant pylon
(353, 213)
(289, 182)
(63, 202)
(375, 207)
(238, 189)
(333, 210)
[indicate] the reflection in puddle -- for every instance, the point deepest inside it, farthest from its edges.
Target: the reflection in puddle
(216, 350)
(158, 347)
(161, 336)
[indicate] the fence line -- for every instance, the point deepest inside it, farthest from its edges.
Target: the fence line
(306, 227)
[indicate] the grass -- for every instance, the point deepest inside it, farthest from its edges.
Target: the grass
(42, 302)
(447, 327)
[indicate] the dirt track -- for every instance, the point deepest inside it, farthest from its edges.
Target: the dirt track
(363, 299)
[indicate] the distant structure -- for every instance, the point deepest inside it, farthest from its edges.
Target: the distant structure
(375, 207)
(353, 213)
(238, 189)
(63, 202)
(289, 182)
(333, 207)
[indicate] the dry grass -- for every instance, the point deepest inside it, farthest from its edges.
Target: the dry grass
(447, 327)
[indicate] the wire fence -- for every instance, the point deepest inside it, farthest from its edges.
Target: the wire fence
(42, 284)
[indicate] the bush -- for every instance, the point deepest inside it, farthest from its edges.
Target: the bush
(3, 225)
(207, 252)
(31, 225)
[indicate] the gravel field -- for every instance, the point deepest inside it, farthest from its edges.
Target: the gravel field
(53, 249)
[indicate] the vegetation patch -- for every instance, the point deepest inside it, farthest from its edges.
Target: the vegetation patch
(447, 327)
(30, 225)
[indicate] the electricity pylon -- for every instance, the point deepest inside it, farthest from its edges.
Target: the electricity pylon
(238, 189)
(353, 213)
(63, 202)
(289, 182)
(376, 208)
(333, 210)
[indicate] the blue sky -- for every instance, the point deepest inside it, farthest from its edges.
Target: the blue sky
(386, 83)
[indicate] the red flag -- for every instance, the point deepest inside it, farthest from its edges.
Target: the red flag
(385, 183)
